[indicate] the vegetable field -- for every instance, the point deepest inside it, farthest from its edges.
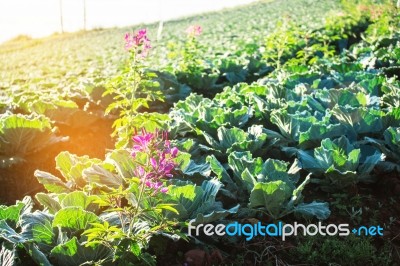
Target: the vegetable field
(115, 142)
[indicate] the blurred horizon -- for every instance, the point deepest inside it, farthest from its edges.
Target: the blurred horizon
(41, 18)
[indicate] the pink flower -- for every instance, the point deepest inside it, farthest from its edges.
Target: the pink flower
(160, 164)
(138, 42)
(194, 31)
(174, 152)
(140, 172)
(153, 163)
(157, 185)
(128, 41)
(141, 142)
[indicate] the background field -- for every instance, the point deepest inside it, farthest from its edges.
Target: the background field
(76, 66)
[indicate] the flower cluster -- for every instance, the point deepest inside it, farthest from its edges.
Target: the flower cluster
(138, 42)
(160, 164)
(194, 31)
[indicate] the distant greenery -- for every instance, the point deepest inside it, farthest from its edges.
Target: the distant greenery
(20, 38)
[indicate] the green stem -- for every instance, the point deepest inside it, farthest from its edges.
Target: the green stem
(134, 70)
(135, 213)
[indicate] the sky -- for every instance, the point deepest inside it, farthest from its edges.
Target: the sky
(39, 18)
